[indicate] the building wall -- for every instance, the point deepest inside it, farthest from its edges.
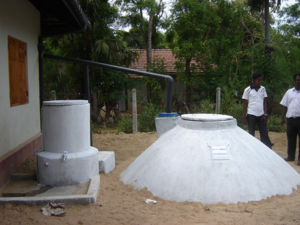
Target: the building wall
(18, 124)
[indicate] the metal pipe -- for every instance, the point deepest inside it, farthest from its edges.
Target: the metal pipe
(87, 83)
(41, 76)
(88, 95)
(167, 78)
(218, 100)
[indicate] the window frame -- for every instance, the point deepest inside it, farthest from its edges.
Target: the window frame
(17, 71)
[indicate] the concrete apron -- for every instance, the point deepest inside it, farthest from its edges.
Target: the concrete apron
(80, 194)
(180, 165)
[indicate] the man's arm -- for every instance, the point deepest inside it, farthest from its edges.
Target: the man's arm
(265, 117)
(245, 107)
(283, 113)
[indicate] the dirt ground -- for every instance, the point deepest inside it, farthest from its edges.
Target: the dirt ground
(118, 203)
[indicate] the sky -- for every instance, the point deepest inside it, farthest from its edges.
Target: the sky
(287, 2)
(284, 3)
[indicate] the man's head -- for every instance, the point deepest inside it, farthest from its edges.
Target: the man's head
(256, 80)
(297, 81)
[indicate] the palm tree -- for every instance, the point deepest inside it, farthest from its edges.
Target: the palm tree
(258, 5)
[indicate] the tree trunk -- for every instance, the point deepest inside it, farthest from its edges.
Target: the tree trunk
(94, 112)
(108, 109)
(149, 41)
(188, 86)
(95, 107)
(149, 92)
(267, 23)
(141, 23)
(149, 54)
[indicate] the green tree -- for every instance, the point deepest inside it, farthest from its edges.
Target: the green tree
(291, 14)
(102, 45)
(146, 28)
(193, 24)
(264, 7)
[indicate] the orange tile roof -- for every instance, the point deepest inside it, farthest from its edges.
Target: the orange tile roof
(166, 54)
(141, 62)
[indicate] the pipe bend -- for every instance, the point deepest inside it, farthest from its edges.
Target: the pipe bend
(169, 78)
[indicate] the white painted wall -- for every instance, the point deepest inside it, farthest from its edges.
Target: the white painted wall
(21, 20)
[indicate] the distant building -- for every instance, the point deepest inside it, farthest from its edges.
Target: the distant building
(166, 54)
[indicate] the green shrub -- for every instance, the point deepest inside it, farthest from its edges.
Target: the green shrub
(125, 124)
(232, 106)
(236, 110)
(146, 120)
(204, 107)
(274, 124)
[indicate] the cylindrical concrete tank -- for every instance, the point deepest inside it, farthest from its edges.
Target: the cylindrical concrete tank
(67, 157)
(66, 126)
(207, 158)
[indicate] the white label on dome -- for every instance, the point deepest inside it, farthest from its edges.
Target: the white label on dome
(220, 152)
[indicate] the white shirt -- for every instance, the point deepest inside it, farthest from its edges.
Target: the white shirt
(255, 100)
(291, 100)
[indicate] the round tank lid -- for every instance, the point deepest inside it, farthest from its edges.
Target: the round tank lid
(206, 117)
(65, 102)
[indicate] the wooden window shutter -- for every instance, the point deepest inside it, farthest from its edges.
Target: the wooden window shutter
(17, 72)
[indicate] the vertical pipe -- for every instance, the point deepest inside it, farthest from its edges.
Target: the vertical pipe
(41, 83)
(88, 95)
(126, 100)
(41, 77)
(87, 83)
(134, 111)
(218, 100)
(169, 96)
(53, 95)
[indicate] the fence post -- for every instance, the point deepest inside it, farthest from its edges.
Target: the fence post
(134, 112)
(53, 95)
(218, 100)
(122, 102)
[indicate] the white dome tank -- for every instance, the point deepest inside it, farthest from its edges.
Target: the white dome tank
(207, 158)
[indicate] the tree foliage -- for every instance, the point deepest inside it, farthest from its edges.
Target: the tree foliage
(217, 43)
(97, 44)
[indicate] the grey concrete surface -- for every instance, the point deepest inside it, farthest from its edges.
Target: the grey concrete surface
(106, 161)
(81, 194)
(66, 126)
(77, 168)
(164, 124)
(180, 165)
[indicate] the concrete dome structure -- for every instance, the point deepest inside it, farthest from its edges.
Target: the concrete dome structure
(207, 158)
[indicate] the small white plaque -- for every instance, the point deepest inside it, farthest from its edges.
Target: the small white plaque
(220, 152)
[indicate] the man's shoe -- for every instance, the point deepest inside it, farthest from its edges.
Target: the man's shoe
(272, 144)
(298, 163)
(289, 160)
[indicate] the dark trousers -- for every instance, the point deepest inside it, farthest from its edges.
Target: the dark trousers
(293, 129)
(263, 128)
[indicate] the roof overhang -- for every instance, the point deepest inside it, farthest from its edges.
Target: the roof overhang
(60, 17)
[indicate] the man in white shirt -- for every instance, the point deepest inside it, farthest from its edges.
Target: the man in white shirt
(291, 109)
(255, 109)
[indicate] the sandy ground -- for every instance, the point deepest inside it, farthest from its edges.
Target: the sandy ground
(121, 204)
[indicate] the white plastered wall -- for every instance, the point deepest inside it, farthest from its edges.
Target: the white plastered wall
(21, 20)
